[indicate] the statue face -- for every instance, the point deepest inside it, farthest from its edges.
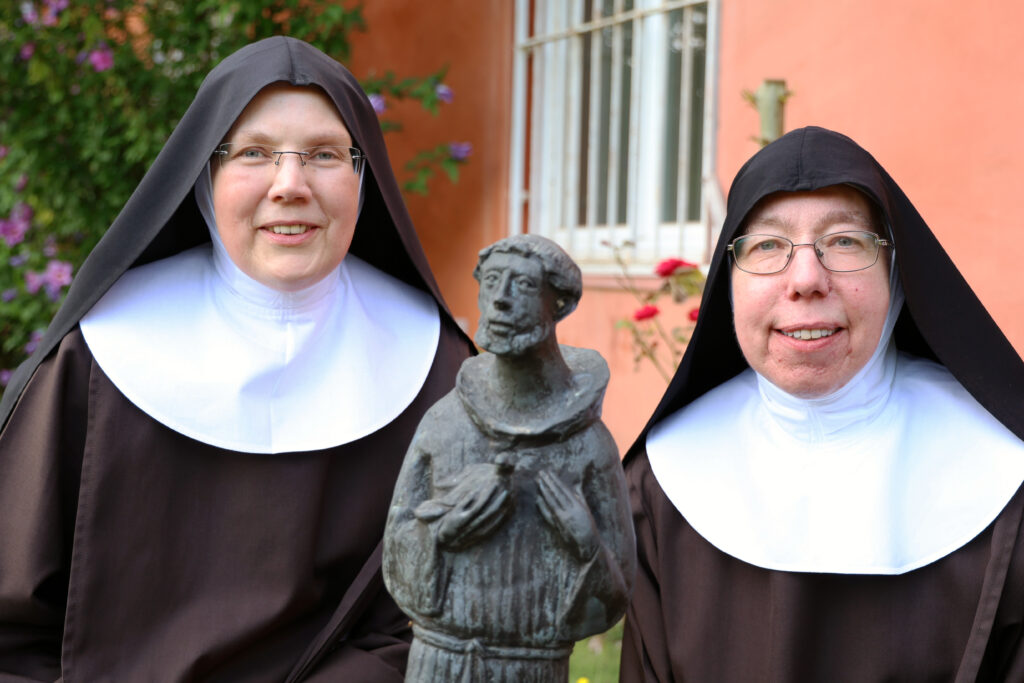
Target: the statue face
(516, 304)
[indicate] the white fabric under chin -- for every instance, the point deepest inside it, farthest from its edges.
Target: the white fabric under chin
(213, 354)
(895, 470)
(323, 369)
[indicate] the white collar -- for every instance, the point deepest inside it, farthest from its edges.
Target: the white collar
(215, 355)
(897, 469)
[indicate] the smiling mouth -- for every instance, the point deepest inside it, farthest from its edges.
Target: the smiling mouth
(296, 229)
(810, 333)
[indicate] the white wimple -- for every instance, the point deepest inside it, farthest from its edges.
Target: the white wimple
(213, 354)
(895, 470)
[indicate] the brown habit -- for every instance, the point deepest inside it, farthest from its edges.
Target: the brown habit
(699, 614)
(129, 552)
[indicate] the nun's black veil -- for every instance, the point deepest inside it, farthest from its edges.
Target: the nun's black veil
(942, 318)
(161, 217)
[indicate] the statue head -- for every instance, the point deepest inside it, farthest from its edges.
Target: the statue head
(527, 284)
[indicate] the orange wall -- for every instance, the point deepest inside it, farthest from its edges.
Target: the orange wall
(474, 38)
(932, 89)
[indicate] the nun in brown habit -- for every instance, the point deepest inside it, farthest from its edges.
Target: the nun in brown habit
(830, 488)
(195, 466)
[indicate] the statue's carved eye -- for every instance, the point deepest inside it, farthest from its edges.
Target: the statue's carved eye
(525, 283)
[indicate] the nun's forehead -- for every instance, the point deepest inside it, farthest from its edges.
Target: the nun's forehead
(871, 213)
(284, 87)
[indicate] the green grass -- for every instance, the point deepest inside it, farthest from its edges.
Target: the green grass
(596, 659)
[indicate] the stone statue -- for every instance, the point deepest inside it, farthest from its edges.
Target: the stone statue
(509, 535)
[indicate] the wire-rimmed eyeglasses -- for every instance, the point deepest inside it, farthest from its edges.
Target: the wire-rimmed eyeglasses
(840, 252)
(259, 156)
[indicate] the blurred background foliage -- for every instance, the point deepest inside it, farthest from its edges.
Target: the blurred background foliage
(89, 92)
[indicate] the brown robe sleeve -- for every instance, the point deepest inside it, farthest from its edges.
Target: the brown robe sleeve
(40, 463)
(645, 655)
(376, 653)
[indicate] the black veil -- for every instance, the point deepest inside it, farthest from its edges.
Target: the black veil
(161, 217)
(942, 319)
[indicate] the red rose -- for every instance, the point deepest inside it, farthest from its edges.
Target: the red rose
(694, 313)
(645, 312)
(671, 265)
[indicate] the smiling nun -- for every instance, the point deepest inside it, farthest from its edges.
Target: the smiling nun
(829, 489)
(196, 465)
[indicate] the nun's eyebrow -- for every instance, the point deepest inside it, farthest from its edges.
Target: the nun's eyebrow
(845, 216)
(260, 137)
(253, 136)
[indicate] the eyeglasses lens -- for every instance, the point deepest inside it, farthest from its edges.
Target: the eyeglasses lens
(839, 251)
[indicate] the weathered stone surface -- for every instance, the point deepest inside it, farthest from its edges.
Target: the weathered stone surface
(509, 536)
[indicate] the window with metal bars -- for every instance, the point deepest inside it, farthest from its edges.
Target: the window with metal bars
(611, 134)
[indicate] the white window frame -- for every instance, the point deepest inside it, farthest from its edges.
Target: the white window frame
(548, 57)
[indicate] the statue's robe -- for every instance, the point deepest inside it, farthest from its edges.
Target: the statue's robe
(509, 607)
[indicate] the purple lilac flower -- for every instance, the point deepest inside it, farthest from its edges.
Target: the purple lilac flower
(9, 295)
(33, 341)
(49, 248)
(12, 231)
(33, 281)
(57, 5)
(22, 182)
(56, 276)
(101, 59)
(81, 57)
(3, 151)
(378, 102)
(58, 273)
(444, 93)
(27, 50)
(28, 13)
(5, 377)
(460, 151)
(17, 261)
(22, 212)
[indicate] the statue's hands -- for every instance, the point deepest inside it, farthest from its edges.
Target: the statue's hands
(567, 512)
(479, 504)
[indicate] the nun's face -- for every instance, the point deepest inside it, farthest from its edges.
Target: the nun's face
(842, 313)
(287, 225)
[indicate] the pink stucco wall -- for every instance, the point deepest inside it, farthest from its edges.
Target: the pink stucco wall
(934, 90)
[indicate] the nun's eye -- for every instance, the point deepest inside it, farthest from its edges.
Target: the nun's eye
(253, 154)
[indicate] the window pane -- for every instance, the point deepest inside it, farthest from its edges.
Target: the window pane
(584, 125)
(698, 44)
(604, 125)
(673, 86)
(626, 70)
